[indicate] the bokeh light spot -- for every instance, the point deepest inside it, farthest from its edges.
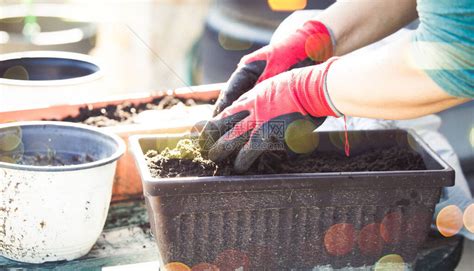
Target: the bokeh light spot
(4, 37)
(338, 139)
(412, 143)
(10, 139)
(205, 267)
(300, 138)
(449, 220)
(176, 266)
(7, 159)
(9, 142)
(31, 29)
(287, 5)
(17, 73)
(232, 259)
(370, 242)
(339, 239)
(391, 262)
(391, 228)
(232, 44)
(468, 218)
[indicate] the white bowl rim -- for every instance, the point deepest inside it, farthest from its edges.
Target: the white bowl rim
(101, 162)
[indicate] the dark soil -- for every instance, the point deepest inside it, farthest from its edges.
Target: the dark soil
(53, 159)
(382, 159)
(125, 113)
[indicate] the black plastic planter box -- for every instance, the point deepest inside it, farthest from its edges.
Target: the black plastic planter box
(278, 222)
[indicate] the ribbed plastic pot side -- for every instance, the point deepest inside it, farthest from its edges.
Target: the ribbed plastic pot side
(296, 220)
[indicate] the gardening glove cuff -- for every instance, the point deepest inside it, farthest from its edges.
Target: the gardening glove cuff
(312, 91)
(309, 45)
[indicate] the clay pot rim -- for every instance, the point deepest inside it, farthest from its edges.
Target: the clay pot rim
(119, 151)
(52, 54)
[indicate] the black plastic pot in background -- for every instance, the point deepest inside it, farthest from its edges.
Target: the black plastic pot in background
(57, 34)
(45, 68)
(43, 78)
(233, 29)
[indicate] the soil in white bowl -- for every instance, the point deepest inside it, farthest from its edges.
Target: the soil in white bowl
(53, 159)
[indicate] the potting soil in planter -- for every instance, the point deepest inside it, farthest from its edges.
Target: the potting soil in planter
(125, 113)
(186, 161)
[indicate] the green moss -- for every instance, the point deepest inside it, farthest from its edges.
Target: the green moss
(185, 149)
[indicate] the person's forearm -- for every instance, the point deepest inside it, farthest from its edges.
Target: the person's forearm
(356, 24)
(385, 84)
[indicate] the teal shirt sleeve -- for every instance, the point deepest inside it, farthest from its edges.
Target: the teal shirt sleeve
(443, 44)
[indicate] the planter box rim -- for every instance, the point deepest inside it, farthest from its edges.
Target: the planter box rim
(326, 180)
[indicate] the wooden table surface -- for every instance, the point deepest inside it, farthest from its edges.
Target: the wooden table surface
(126, 239)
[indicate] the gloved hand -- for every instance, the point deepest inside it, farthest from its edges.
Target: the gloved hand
(280, 113)
(309, 45)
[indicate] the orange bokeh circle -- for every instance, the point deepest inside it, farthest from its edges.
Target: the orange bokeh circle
(370, 242)
(339, 239)
(468, 218)
(391, 228)
(449, 220)
(175, 266)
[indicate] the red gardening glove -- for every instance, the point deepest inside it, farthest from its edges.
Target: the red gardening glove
(309, 45)
(278, 114)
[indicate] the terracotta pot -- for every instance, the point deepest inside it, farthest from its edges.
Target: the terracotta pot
(127, 182)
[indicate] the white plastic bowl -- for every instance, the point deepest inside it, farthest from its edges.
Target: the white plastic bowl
(53, 213)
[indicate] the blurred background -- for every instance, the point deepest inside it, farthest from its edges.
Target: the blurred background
(140, 45)
(149, 45)
(146, 45)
